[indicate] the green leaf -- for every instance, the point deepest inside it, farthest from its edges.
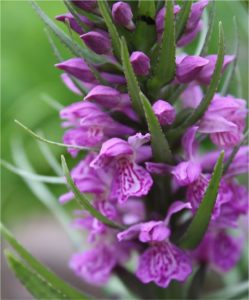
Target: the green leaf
(230, 75)
(165, 71)
(64, 38)
(182, 18)
(201, 219)
(138, 40)
(132, 83)
(42, 139)
(43, 194)
(82, 199)
(33, 282)
(210, 29)
(75, 14)
(104, 10)
(36, 266)
(31, 176)
(160, 147)
(147, 8)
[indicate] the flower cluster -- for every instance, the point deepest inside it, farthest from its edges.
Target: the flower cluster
(153, 201)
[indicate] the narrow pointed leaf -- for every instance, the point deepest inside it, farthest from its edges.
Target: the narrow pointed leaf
(201, 219)
(74, 13)
(165, 71)
(182, 18)
(42, 139)
(59, 58)
(82, 199)
(33, 282)
(31, 176)
(160, 147)
(211, 23)
(147, 8)
(231, 72)
(65, 39)
(104, 10)
(132, 83)
(50, 157)
(43, 194)
(39, 268)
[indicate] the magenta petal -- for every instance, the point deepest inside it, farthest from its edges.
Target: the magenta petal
(77, 68)
(104, 95)
(187, 70)
(95, 265)
(70, 84)
(186, 172)
(97, 42)
(164, 111)
(226, 251)
(188, 142)
(130, 180)
(192, 95)
(163, 263)
(176, 207)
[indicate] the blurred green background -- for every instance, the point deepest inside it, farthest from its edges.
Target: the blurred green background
(28, 73)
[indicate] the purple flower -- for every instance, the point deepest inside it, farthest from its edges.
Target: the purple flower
(87, 5)
(207, 71)
(111, 98)
(87, 179)
(164, 111)
(94, 265)
(192, 95)
(224, 120)
(92, 126)
(68, 17)
(77, 68)
(187, 172)
(129, 179)
(220, 250)
(189, 36)
(162, 263)
(97, 41)
(196, 191)
(122, 15)
(188, 68)
(140, 63)
(194, 23)
(153, 231)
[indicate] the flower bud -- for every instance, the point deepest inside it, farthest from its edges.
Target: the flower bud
(98, 42)
(122, 15)
(164, 111)
(77, 68)
(189, 67)
(73, 23)
(88, 5)
(140, 63)
(104, 95)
